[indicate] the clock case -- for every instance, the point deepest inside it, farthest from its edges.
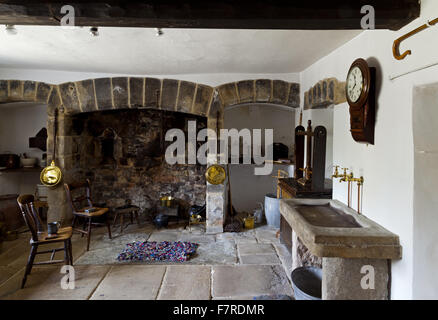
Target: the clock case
(363, 111)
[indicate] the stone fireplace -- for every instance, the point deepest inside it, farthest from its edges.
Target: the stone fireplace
(95, 154)
(122, 153)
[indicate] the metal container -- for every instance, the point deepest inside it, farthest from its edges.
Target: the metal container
(167, 201)
(307, 283)
(249, 222)
(272, 210)
(161, 220)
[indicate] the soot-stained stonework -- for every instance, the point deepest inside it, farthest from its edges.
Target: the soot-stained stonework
(122, 153)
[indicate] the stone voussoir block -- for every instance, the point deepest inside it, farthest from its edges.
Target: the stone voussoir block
(339, 92)
(152, 93)
(29, 90)
(293, 99)
(136, 92)
(120, 92)
(246, 91)
(87, 98)
(228, 94)
(279, 91)
(203, 100)
(306, 100)
(3, 90)
(186, 94)
(263, 90)
(325, 93)
(169, 94)
(69, 97)
(15, 90)
(43, 91)
(103, 93)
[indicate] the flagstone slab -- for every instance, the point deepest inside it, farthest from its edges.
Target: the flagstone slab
(44, 283)
(204, 238)
(255, 248)
(267, 234)
(285, 257)
(186, 283)
(140, 282)
(249, 280)
(260, 259)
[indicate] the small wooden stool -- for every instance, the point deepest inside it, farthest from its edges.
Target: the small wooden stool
(126, 209)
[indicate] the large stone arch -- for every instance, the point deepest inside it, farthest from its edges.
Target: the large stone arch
(114, 93)
(24, 91)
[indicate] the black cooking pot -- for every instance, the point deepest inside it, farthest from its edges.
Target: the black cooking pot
(161, 220)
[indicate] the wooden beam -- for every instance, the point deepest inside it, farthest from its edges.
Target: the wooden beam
(224, 14)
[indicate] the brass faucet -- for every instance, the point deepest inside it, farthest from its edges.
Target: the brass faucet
(359, 180)
(336, 173)
(345, 177)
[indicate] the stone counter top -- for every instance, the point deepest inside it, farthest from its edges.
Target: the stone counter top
(326, 233)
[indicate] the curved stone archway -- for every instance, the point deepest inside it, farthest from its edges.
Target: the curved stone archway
(101, 94)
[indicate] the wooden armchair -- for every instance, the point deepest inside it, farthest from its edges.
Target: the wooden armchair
(81, 212)
(40, 237)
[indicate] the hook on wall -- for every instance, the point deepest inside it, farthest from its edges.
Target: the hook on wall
(396, 46)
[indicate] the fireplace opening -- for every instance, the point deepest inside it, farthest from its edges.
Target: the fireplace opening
(122, 152)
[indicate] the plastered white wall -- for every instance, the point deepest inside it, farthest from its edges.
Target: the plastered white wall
(248, 189)
(425, 124)
(387, 166)
(19, 122)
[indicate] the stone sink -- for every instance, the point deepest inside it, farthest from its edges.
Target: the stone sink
(328, 228)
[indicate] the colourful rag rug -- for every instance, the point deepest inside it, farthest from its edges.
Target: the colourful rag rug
(158, 251)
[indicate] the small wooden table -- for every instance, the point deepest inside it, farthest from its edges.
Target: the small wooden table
(127, 209)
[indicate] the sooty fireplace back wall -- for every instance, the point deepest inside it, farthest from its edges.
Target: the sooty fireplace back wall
(122, 153)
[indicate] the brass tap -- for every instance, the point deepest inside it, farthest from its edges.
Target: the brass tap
(359, 180)
(345, 176)
(336, 173)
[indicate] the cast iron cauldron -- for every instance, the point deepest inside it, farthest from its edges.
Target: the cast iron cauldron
(161, 220)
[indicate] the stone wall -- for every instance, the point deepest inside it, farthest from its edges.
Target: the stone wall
(122, 153)
(301, 256)
(324, 94)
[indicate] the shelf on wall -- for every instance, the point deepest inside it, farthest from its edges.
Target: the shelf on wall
(21, 170)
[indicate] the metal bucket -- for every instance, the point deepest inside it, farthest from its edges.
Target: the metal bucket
(272, 210)
(307, 283)
(167, 201)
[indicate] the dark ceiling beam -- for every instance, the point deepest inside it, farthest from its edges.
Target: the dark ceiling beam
(225, 14)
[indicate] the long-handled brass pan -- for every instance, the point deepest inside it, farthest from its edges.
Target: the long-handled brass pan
(52, 175)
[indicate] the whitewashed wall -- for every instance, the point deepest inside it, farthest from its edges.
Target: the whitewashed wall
(388, 166)
(247, 188)
(18, 122)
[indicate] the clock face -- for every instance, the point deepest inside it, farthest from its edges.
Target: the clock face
(354, 84)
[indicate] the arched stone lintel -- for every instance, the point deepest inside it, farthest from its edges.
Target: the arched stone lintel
(135, 92)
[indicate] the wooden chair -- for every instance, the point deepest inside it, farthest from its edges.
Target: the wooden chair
(79, 211)
(40, 237)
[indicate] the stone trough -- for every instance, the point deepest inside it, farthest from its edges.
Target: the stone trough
(352, 247)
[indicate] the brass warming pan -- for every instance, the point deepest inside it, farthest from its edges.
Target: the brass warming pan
(52, 175)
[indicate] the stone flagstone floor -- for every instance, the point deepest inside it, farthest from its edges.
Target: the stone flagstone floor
(227, 266)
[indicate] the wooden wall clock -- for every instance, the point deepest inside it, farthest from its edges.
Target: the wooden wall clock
(361, 96)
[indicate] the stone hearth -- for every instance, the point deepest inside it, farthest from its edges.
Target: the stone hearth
(125, 159)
